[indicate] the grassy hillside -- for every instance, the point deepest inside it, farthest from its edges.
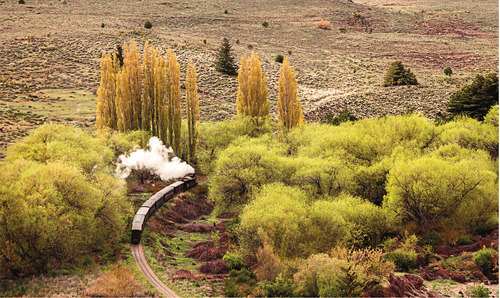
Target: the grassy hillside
(53, 46)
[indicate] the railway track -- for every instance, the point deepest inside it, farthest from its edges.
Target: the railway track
(142, 263)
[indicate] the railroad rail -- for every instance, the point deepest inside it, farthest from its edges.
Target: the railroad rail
(143, 214)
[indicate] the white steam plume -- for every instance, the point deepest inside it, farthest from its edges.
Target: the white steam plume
(156, 160)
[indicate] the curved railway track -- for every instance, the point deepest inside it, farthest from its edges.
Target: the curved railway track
(142, 263)
(147, 271)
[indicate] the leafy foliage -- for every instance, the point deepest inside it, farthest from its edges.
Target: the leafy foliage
(397, 75)
(289, 106)
(148, 25)
(252, 100)
(476, 99)
(225, 60)
(484, 259)
(234, 261)
(404, 260)
(57, 191)
(279, 58)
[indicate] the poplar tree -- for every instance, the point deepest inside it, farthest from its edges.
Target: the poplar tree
(106, 94)
(252, 90)
(147, 91)
(192, 109)
(173, 101)
(289, 106)
(132, 60)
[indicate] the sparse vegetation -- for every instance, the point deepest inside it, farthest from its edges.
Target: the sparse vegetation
(148, 25)
(279, 58)
(265, 24)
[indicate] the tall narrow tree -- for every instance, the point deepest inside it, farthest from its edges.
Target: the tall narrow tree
(174, 101)
(106, 94)
(289, 106)
(252, 90)
(192, 109)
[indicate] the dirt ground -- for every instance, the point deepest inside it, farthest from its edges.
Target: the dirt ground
(50, 49)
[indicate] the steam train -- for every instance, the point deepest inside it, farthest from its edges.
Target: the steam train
(156, 201)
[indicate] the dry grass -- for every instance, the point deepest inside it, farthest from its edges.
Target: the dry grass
(324, 25)
(118, 281)
(46, 45)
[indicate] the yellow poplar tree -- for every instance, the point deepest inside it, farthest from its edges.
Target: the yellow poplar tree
(147, 86)
(132, 62)
(106, 94)
(174, 101)
(252, 90)
(192, 109)
(289, 106)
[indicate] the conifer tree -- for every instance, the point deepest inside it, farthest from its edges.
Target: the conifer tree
(106, 94)
(225, 60)
(289, 106)
(252, 90)
(192, 109)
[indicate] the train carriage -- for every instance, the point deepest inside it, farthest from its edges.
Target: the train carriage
(155, 202)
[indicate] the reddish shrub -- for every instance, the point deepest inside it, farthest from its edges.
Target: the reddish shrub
(197, 228)
(408, 285)
(214, 267)
(204, 253)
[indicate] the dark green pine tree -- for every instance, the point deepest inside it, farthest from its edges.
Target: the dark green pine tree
(397, 75)
(476, 99)
(225, 60)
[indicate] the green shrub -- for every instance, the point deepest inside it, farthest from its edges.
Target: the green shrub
(265, 24)
(343, 116)
(432, 238)
(234, 261)
(279, 58)
(250, 46)
(226, 12)
(148, 25)
(492, 117)
(21, 2)
(397, 75)
(281, 287)
(489, 226)
(484, 259)
(241, 283)
(289, 52)
(447, 71)
(464, 240)
(476, 99)
(204, 41)
(102, 25)
(343, 30)
(480, 291)
(237, 41)
(403, 260)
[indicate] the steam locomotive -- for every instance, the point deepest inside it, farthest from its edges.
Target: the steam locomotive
(156, 201)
